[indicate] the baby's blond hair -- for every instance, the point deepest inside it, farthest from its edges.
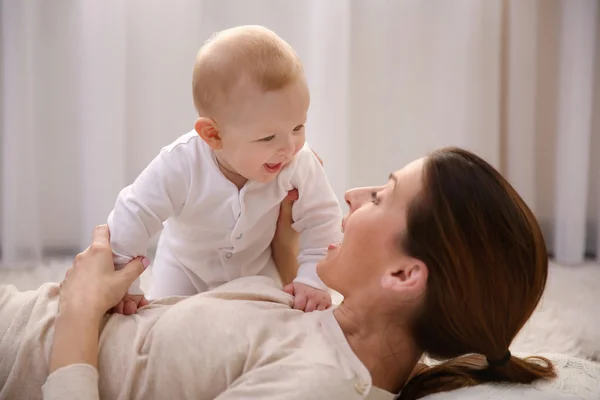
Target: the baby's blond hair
(252, 53)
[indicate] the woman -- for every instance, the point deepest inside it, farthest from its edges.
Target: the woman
(444, 259)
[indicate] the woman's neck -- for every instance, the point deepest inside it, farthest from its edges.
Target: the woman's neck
(387, 350)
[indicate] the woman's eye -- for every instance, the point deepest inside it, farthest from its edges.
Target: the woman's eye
(374, 198)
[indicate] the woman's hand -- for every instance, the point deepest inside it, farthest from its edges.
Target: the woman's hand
(90, 288)
(286, 242)
(92, 285)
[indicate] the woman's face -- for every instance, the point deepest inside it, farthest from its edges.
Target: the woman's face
(372, 228)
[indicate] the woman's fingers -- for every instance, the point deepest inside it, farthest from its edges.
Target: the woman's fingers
(121, 280)
(101, 237)
(292, 195)
(316, 155)
(285, 212)
(131, 271)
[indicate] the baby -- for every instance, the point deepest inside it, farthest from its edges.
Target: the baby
(217, 189)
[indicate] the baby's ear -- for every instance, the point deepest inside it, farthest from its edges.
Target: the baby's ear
(209, 132)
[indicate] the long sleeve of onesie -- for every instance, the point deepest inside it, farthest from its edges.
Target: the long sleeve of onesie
(158, 193)
(317, 216)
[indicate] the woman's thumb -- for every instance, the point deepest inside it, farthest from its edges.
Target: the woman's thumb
(285, 212)
(134, 269)
(292, 196)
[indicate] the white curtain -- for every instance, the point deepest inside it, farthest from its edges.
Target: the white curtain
(91, 90)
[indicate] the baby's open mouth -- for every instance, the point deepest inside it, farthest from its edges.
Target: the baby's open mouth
(273, 167)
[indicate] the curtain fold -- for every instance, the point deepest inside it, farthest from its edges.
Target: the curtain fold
(21, 230)
(574, 131)
(91, 91)
(102, 139)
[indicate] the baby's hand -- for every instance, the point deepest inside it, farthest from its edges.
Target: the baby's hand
(130, 304)
(308, 298)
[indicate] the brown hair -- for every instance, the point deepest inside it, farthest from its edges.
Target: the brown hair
(487, 265)
(252, 52)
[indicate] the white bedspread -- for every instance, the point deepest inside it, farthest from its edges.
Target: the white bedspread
(577, 379)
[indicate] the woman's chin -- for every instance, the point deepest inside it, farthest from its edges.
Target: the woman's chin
(326, 262)
(322, 270)
(332, 250)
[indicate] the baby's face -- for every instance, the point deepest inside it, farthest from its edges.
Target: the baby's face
(265, 131)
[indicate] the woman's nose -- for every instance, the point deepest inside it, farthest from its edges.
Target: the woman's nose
(356, 197)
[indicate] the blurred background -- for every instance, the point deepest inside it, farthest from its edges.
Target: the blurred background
(91, 90)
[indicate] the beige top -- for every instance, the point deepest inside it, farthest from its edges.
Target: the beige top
(239, 341)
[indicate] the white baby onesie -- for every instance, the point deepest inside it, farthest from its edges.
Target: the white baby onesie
(213, 232)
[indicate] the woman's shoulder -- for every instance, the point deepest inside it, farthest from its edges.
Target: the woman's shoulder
(306, 380)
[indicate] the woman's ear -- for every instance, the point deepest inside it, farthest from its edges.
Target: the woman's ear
(408, 275)
(209, 132)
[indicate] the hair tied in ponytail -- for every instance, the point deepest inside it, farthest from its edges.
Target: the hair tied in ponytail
(500, 362)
